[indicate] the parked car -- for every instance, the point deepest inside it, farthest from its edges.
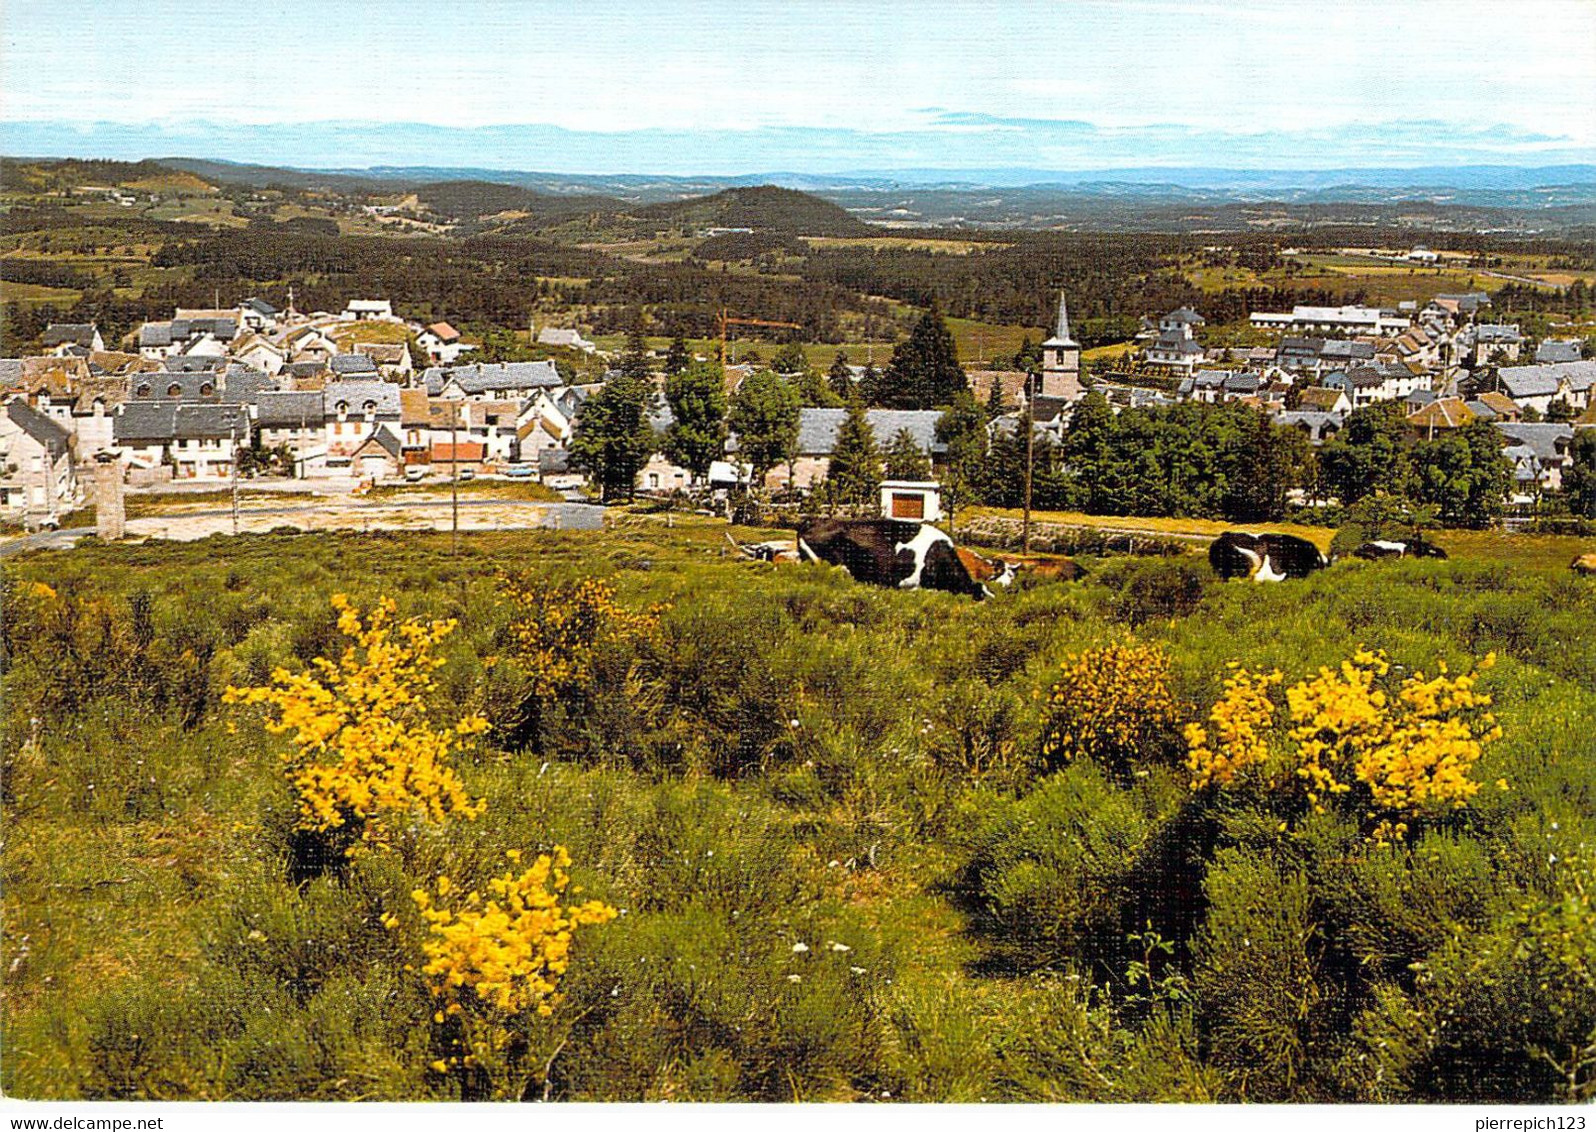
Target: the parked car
(519, 471)
(467, 474)
(415, 474)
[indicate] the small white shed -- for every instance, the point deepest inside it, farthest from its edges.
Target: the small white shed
(913, 500)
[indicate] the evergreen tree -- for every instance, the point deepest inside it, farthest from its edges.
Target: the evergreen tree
(924, 372)
(1088, 454)
(764, 415)
(678, 357)
(613, 439)
(962, 430)
(840, 377)
(634, 359)
(697, 434)
(995, 407)
(854, 473)
(1579, 477)
(790, 359)
(870, 384)
(1268, 462)
(905, 459)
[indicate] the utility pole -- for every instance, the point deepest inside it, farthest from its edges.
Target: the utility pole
(234, 432)
(454, 477)
(1030, 456)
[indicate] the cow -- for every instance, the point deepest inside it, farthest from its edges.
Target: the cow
(776, 550)
(997, 571)
(889, 552)
(1384, 548)
(1264, 558)
(1048, 569)
(1585, 564)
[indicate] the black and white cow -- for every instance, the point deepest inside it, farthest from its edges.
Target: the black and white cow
(1264, 558)
(1384, 548)
(889, 552)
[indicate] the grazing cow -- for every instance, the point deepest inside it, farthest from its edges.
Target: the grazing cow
(1585, 564)
(1264, 558)
(997, 571)
(1383, 548)
(776, 550)
(1048, 569)
(889, 552)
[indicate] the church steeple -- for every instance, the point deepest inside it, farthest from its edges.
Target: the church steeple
(1061, 331)
(1061, 359)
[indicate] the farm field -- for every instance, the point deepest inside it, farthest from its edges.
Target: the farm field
(850, 851)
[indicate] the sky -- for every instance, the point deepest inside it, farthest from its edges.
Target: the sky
(822, 87)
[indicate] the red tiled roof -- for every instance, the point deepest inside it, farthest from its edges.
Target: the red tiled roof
(469, 450)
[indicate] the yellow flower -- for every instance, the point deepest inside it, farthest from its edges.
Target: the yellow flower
(1109, 704)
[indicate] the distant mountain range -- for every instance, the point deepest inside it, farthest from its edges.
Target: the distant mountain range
(1489, 186)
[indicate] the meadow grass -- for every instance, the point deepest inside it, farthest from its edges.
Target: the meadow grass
(794, 759)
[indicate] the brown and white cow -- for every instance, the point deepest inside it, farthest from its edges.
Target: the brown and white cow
(1584, 564)
(889, 552)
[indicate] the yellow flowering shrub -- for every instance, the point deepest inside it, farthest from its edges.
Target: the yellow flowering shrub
(1110, 704)
(555, 633)
(492, 958)
(1241, 722)
(1401, 750)
(364, 753)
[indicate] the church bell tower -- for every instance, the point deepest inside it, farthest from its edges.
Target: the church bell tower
(1061, 360)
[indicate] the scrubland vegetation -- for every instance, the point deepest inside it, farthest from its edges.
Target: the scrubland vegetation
(831, 842)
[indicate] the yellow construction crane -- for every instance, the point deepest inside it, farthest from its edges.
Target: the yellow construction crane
(727, 320)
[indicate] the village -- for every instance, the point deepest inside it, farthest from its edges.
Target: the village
(343, 401)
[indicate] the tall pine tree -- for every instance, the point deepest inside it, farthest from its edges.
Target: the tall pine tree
(924, 372)
(854, 472)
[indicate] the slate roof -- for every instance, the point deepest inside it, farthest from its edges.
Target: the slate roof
(1497, 332)
(145, 422)
(77, 333)
(209, 422)
(1538, 381)
(383, 394)
(260, 307)
(293, 409)
(305, 369)
(349, 365)
(188, 386)
(1555, 350)
(1543, 439)
(10, 370)
(41, 428)
(194, 363)
(817, 428)
(155, 334)
(488, 377)
(384, 439)
(1186, 315)
(1313, 421)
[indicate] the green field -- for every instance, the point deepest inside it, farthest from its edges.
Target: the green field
(846, 867)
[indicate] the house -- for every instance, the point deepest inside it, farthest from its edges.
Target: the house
(1422, 254)
(1175, 351)
(190, 332)
(378, 457)
(1547, 445)
(467, 455)
(259, 352)
(258, 315)
(498, 381)
(1345, 319)
(292, 419)
(59, 337)
(660, 474)
(198, 440)
(352, 411)
(353, 367)
(1554, 351)
(1316, 425)
(1444, 414)
(362, 310)
(1323, 400)
(37, 478)
(1496, 342)
(566, 339)
(1181, 322)
(441, 343)
(1536, 387)
(1492, 406)
(1367, 384)
(392, 359)
(817, 436)
(307, 343)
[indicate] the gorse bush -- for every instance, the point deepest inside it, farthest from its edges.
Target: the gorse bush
(1397, 755)
(1111, 705)
(365, 757)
